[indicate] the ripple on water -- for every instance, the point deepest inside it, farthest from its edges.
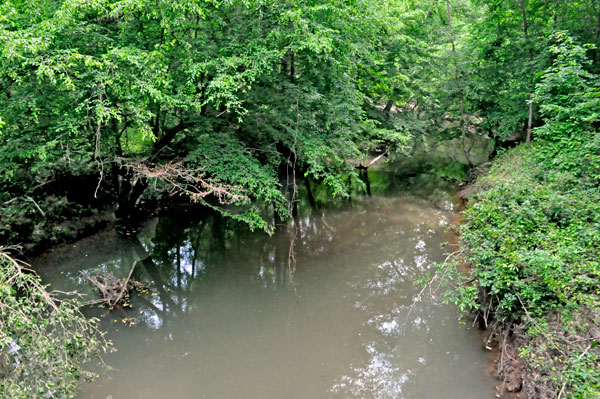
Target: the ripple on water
(227, 318)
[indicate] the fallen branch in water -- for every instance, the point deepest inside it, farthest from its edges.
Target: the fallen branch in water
(114, 291)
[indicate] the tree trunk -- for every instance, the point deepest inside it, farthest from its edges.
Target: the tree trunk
(309, 194)
(128, 195)
(388, 109)
(528, 44)
(130, 188)
(595, 57)
(363, 174)
(457, 68)
(458, 85)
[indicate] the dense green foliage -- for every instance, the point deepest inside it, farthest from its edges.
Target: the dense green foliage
(44, 340)
(110, 106)
(213, 99)
(533, 233)
(222, 101)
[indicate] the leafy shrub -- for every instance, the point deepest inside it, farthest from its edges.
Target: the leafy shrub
(44, 340)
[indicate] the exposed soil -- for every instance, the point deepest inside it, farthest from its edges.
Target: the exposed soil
(511, 368)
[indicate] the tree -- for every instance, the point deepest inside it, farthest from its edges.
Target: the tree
(213, 100)
(569, 95)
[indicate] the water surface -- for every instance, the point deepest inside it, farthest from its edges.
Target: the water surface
(230, 315)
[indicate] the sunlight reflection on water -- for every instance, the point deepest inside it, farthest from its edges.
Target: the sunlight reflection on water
(223, 319)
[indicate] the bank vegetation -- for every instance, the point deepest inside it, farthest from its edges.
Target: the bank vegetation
(111, 109)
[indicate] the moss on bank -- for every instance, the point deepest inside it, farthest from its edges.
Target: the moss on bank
(532, 235)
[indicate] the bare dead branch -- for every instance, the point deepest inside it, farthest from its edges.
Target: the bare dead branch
(184, 180)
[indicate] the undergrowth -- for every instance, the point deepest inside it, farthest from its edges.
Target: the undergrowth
(532, 235)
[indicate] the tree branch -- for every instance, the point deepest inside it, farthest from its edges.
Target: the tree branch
(169, 135)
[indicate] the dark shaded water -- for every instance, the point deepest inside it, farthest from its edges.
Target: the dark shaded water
(227, 316)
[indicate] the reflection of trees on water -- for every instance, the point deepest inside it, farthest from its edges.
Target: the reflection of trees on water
(210, 249)
(182, 255)
(190, 250)
(214, 284)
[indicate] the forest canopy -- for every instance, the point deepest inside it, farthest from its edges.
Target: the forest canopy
(222, 101)
(212, 99)
(108, 108)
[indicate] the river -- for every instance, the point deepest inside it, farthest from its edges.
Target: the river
(228, 313)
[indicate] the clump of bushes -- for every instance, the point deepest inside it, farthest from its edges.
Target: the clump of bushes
(44, 340)
(533, 238)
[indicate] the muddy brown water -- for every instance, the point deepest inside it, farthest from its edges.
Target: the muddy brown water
(227, 316)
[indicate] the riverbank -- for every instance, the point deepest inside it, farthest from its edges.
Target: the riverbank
(531, 235)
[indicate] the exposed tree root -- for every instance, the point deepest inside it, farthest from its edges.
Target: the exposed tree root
(525, 362)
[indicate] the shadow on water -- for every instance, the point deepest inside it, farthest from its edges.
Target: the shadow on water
(223, 318)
